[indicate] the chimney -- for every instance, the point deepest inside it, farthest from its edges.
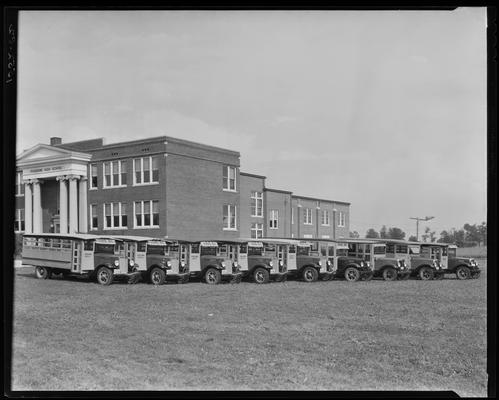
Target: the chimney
(55, 140)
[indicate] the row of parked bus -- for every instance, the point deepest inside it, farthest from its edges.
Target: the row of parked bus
(106, 258)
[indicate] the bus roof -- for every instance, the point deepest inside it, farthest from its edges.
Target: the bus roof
(359, 240)
(138, 238)
(80, 236)
(399, 241)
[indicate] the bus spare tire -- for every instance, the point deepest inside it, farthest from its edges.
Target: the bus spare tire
(426, 274)
(42, 272)
(212, 276)
(261, 275)
(104, 276)
(157, 276)
(352, 274)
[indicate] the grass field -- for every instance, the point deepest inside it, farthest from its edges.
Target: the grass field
(405, 335)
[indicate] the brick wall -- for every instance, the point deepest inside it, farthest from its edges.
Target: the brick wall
(250, 183)
(280, 201)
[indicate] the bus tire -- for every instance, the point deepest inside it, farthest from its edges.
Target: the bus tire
(157, 276)
(309, 274)
(389, 274)
(463, 272)
(261, 275)
(426, 274)
(212, 276)
(104, 276)
(352, 274)
(43, 272)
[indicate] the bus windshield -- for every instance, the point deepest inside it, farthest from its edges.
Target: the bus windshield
(209, 250)
(255, 251)
(342, 252)
(452, 252)
(379, 250)
(104, 248)
(155, 249)
(303, 250)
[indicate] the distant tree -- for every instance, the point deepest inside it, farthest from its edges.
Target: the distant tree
(354, 234)
(428, 236)
(383, 233)
(413, 238)
(445, 237)
(372, 234)
(482, 232)
(396, 233)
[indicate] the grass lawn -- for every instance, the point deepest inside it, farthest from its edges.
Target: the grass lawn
(405, 335)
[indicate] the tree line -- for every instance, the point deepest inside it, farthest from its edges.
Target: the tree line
(468, 236)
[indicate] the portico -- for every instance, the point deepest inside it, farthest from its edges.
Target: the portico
(43, 164)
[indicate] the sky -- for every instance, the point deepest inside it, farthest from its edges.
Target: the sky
(382, 109)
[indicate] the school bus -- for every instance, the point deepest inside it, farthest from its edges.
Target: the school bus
(211, 261)
(259, 260)
(80, 254)
(386, 266)
(463, 267)
(158, 260)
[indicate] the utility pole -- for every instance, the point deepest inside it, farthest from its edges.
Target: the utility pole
(417, 224)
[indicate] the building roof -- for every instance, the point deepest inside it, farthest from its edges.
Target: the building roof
(252, 175)
(319, 199)
(277, 190)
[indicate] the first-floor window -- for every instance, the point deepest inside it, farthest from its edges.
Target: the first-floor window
(146, 213)
(256, 230)
(19, 221)
(115, 215)
(94, 219)
(274, 219)
(229, 217)
(341, 218)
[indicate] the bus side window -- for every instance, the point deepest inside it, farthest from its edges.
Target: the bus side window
(195, 248)
(88, 245)
(141, 247)
(66, 244)
(292, 249)
(243, 248)
(331, 251)
(323, 250)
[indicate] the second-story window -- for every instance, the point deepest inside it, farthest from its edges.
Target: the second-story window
(256, 204)
(229, 178)
(229, 217)
(274, 219)
(325, 217)
(341, 219)
(94, 180)
(145, 170)
(307, 216)
(19, 184)
(114, 171)
(115, 215)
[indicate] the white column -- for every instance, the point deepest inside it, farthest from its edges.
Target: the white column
(28, 208)
(63, 204)
(37, 207)
(83, 205)
(73, 205)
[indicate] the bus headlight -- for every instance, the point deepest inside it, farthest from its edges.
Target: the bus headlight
(319, 263)
(281, 263)
(116, 263)
(169, 264)
(362, 263)
(222, 264)
(234, 263)
(132, 263)
(182, 264)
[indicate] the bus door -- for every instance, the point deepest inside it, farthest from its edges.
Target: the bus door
(77, 255)
(131, 251)
(324, 253)
(281, 253)
(367, 252)
(242, 256)
(444, 257)
(378, 251)
(122, 256)
(139, 255)
(183, 250)
(232, 252)
(194, 257)
(87, 256)
(291, 262)
(402, 251)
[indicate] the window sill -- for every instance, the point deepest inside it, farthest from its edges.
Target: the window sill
(325, 225)
(146, 184)
(92, 188)
(114, 228)
(307, 223)
(146, 227)
(114, 187)
(256, 216)
(230, 229)
(229, 190)
(274, 228)
(19, 195)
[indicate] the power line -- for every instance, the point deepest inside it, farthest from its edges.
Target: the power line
(417, 224)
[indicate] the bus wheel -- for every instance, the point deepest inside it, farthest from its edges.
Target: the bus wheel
(212, 276)
(352, 274)
(104, 276)
(426, 274)
(261, 275)
(157, 276)
(310, 274)
(389, 274)
(43, 272)
(463, 273)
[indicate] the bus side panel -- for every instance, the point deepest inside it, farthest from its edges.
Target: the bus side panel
(242, 260)
(291, 261)
(87, 260)
(47, 257)
(140, 260)
(194, 262)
